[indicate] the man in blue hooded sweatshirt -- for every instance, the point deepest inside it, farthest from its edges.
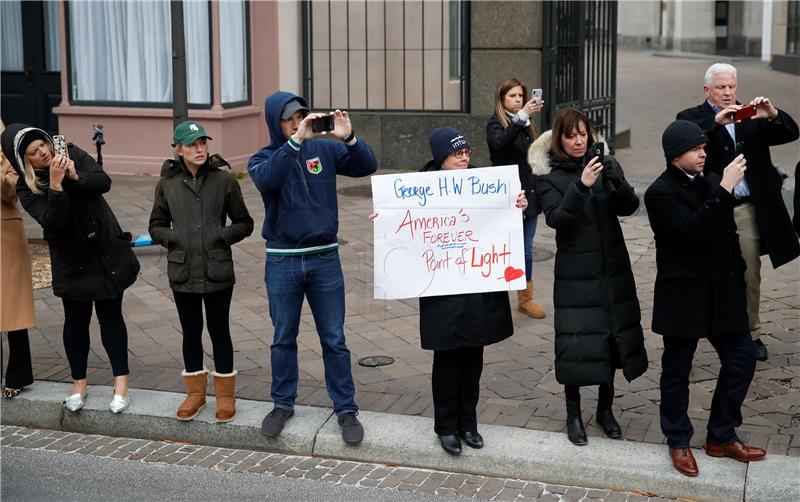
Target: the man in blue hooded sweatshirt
(296, 175)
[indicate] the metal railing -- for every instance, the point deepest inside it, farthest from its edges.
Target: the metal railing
(367, 55)
(580, 61)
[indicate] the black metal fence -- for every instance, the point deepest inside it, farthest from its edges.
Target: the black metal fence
(580, 61)
(369, 55)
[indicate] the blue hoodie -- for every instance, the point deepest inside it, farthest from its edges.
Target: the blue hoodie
(299, 186)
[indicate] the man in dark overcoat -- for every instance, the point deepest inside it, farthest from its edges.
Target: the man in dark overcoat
(762, 220)
(699, 293)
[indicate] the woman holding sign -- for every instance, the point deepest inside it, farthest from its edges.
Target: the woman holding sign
(457, 327)
(597, 319)
(510, 132)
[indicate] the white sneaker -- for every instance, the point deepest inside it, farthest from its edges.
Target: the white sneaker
(75, 402)
(119, 404)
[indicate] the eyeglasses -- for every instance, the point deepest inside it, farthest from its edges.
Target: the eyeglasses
(465, 153)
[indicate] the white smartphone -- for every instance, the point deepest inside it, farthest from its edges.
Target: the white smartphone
(60, 144)
(536, 94)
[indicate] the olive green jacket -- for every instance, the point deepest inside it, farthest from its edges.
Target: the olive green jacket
(189, 218)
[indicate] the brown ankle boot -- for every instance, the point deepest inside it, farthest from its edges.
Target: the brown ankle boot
(225, 388)
(526, 303)
(196, 382)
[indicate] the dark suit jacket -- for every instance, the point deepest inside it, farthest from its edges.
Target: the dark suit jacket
(700, 288)
(778, 238)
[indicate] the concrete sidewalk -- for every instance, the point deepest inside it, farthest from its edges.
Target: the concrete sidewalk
(391, 439)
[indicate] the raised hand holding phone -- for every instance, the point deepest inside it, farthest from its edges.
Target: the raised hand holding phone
(591, 172)
(535, 104)
(764, 108)
(60, 147)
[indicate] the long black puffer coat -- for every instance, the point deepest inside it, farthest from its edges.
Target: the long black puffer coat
(597, 317)
(463, 320)
(90, 255)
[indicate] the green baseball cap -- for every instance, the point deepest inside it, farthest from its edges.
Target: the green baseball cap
(187, 132)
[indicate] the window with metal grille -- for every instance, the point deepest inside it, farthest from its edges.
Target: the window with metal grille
(367, 55)
(793, 28)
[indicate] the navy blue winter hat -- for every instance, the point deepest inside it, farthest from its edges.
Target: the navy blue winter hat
(444, 141)
(681, 136)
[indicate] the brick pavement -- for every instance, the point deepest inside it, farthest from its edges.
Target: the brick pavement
(518, 385)
(340, 472)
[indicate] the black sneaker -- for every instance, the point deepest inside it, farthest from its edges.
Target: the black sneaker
(273, 423)
(352, 430)
(761, 350)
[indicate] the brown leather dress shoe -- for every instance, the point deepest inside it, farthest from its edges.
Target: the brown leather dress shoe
(684, 461)
(736, 450)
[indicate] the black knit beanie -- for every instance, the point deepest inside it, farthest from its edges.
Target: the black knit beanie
(681, 136)
(444, 141)
(29, 138)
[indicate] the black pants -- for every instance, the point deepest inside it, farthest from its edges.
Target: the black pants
(190, 312)
(113, 333)
(19, 372)
(573, 392)
(737, 355)
(456, 386)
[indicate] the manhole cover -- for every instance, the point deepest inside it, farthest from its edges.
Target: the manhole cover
(541, 254)
(363, 191)
(375, 361)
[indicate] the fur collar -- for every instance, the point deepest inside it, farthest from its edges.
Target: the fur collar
(539, 153)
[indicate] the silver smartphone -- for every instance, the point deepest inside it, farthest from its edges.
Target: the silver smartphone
(536, 94)
(60, 144)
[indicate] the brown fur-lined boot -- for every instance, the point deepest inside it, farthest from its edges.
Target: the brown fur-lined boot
(196, 382)
(526, 303)
(225, 389)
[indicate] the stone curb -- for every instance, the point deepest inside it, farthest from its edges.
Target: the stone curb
(391, 439)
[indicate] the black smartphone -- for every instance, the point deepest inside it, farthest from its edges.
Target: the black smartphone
(322, 124)
(596, 150)
(739, 148)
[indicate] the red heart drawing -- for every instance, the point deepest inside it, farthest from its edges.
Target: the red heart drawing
(512, 273)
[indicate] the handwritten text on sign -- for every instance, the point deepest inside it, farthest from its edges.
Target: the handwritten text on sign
(447, 232)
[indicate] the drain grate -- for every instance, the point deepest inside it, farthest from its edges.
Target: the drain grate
(375, 361)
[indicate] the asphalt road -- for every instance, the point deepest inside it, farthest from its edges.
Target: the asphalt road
(35, 475)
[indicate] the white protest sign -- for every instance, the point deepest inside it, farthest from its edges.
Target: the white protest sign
(448, 232)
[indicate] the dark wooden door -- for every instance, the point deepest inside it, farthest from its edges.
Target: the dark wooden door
(31, 89)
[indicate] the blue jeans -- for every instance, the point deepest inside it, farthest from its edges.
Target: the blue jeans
(319, 278)
(738, 358)
(528, 232)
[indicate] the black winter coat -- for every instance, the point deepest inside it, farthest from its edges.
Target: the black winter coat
(189, 218)
(778, 238)
(508, 146)
(597, 317)
(700, 288)
(90, 255)
(464, 320)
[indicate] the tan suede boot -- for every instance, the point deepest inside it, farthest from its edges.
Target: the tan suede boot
(196, 382)
(526, 303)
(225, 389)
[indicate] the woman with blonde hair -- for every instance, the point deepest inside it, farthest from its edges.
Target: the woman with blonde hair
(195, 198)
(90, 256)
(509, 133)
(16, 299)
